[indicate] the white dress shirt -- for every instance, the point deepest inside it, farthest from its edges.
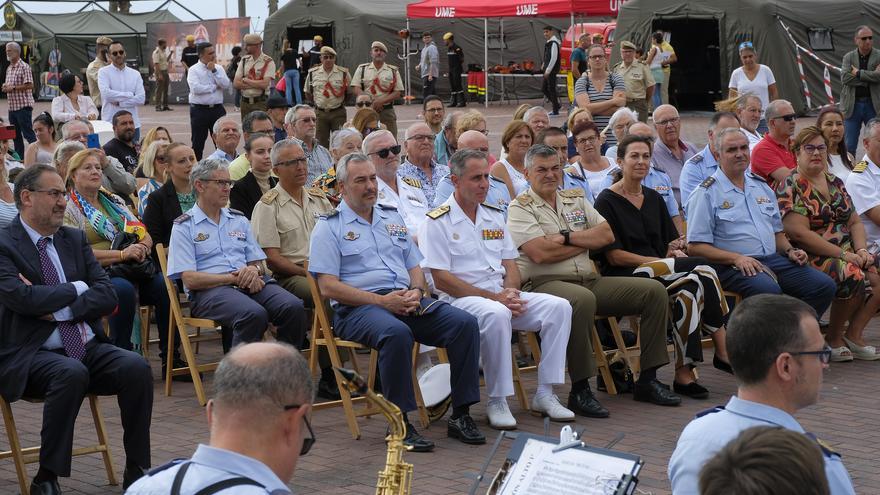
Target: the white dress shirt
(121, 89)
(206, 87)
(63, 111)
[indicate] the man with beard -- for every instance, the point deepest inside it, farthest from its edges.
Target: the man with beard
(122, 88)
(122, 147)
(433, 112)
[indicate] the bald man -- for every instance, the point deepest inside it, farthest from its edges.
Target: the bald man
(498, 195)
(259, 423)
(420, 165)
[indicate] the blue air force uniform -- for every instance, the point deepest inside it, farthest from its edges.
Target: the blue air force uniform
(703, 437)
(200, 245)
(657, 180)
(376, 257)
(696, 169)
(746, 222)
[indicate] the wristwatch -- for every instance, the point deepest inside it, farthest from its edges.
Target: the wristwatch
(566, 235)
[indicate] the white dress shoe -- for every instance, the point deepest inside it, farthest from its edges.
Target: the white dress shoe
(550, 406)
(499, 415)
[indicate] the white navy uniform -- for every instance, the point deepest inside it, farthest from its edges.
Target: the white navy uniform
(473, 251)
(703, 437)
(409, 200)
(863, 186)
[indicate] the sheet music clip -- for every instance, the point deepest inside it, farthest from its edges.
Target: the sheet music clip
(568, 438)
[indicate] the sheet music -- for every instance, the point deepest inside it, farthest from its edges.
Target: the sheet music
(569, 472)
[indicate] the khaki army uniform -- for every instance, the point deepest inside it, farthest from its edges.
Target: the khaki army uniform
(92, 79)
(255, 99)
(328, 92)
(576, 279)
(637, 78)
(160, 60)
(379, 83)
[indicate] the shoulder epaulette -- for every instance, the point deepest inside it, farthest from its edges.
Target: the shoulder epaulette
(757, 177)
(269, 197)
(330, 214)
(163, 467)
(618, 64)
(438, 212)
(494, 207)
(343, 69)
(569, 170)
(387, 207)
(316, 191)
(315, 67)
(392, 67)
(574, 192)
(711, 410)
(182, 218)
(236, 212)
(827, 450)
(364, 65)
(524, 199)
(413, 182)
(860, 167)
(696, 158)
(708, 182)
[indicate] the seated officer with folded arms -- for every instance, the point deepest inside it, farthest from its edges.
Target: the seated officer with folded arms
(778, 356)
(214, 252)
(555, 232)
(53, 293)
(283, 220)
(472, 259)
(366, 262)
(734, 222)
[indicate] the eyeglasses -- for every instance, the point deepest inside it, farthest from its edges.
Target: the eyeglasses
(55, 194)
(384, 152)
(307, 119)
(435, 110)
(787, 118)
(118, 52)
(597, 57)
(667, 122)
(307, 442)
(421, 137)
(812, 148)
(363, 104)
(824, 355)
(220, 182)
(866, 38)
(484, 149)
(296, 162)
(591, 140)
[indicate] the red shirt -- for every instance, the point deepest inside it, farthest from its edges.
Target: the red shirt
(768, 155)
(19, 74)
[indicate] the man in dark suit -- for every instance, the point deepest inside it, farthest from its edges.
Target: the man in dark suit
(53, 294)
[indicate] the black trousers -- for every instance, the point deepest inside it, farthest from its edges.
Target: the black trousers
(63, 383)
(201, 121)
(455, 79)
(428, 87)
(548, 87)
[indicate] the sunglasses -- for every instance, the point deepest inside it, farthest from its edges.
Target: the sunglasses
(746, 44)
(788, 118)
(385, 152)
(307, 442)
(362, 104)
(118, 52)
(866, 38)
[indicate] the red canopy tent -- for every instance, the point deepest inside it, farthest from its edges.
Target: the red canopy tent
(485, 9)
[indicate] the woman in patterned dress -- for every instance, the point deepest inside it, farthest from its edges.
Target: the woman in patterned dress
(818, 216)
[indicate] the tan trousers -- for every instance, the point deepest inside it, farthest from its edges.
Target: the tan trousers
(329, 122)
(388, 117)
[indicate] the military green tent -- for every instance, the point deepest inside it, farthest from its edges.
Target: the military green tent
(706, 35)
(350, 26)
(73, 37)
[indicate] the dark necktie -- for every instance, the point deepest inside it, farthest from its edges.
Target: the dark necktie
(70, 334)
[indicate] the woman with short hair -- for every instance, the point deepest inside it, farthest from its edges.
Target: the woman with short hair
(516, 140)
(72, 104)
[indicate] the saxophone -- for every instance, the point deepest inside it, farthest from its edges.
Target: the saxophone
(396, 477)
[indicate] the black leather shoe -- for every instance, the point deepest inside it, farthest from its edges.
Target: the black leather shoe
(414, 442)
(328, 389)
(178, 363)
(721, 365)
(693, 390)
(465, 430)
(168, 109)
(130, 475)
(46, 488)
(584, 403)
(655, 393)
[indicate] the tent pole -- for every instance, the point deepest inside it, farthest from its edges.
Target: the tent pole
(406, 61)
(486, 57)
(501, 99)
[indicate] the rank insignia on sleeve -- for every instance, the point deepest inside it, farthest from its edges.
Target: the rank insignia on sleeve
(413, 182)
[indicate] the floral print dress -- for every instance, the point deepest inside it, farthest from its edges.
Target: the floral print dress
(828, 217)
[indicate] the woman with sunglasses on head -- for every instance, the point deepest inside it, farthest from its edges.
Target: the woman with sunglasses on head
(154, 162)
(753, 78)
(599, 91)
(818, 216)
(840, 162)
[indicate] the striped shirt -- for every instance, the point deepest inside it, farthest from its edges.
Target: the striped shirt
(615, 81)
(19, 74)
(8, 211)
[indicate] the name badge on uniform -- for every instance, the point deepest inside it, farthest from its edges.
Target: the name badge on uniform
(493, 234)
(351, 236)
(398, 231)
(201, 237)
(576, 216)
(726, 206)
(762, 200)
(237, 234)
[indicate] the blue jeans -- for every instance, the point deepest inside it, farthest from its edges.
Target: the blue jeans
(657, 100)
(863, 111)
(803, 282)
(21, 119)
(291, 83)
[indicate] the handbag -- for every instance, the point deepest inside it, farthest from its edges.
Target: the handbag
(620, 374)
(132, 271)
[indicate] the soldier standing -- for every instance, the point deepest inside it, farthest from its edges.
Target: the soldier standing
(455, 55)
(383, 82)
(254, 75)
(326, 85)
(637, 78)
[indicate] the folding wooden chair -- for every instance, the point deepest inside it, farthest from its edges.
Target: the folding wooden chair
(187, 340)
(532, 347)
(629, 354)
(22, 456)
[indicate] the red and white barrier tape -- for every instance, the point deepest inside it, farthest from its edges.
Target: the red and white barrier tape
(826, 78)
(804, 80)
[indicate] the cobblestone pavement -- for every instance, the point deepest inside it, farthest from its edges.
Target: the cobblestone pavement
(846, 416)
